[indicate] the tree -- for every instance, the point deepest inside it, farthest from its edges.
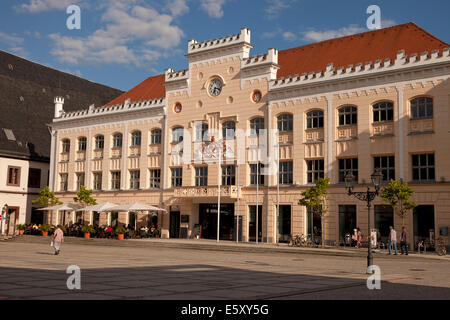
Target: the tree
(315, 198)
(46, 198)
(84, 197)
(397, 194)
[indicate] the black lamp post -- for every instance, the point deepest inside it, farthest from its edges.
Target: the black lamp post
(367, 196)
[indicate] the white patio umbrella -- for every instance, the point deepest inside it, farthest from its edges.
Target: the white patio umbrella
(104, 207)
(136, 207)
(63, 207)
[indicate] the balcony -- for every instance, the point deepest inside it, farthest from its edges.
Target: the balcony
(382, 129)
(206, 192)
(418, 126)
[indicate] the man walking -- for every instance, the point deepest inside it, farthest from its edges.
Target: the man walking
(404, 241)
(392, 240)
(57, 239)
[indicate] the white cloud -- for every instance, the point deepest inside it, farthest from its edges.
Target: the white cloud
(45, 5)
(317, 36)
(387, 23)
(177, 7)
(132, 34)
(13, 43)
(276, 6)
(289, 36)
(213, 7)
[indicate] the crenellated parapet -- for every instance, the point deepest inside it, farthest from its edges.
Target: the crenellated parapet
(117, 109)
(197, 47)
(261, 66)
(402, 62)
(171, 75)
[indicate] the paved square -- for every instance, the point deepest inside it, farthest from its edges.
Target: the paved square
(138, 270)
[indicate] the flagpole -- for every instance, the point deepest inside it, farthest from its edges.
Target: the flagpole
(257, 191)
(237, 211)
(218, 196)
(277, 221)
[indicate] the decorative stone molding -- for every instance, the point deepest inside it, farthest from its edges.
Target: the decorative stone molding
(203, 192)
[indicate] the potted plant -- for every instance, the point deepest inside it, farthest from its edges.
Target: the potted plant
(45, 228)
(21, 228)
(120, 231)
(88, 229)
(157, 233)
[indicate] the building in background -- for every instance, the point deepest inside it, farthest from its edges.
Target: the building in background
(26, 108)
(376, 100)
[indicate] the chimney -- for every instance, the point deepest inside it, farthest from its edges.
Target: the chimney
(59, 103)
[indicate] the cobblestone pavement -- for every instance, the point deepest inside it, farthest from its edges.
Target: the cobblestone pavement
(29, 270)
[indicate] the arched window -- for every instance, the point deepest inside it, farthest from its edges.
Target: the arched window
(201, 130)
(422, 108)
(66, 146)
(82, 144)
(136, 138)
(117, 140)
(156, 136)
(285, 122)
(383, 111)
(99, 142)
(348, 116)
(228, 130)
(177, 134)
(314, 119)
(256, 125)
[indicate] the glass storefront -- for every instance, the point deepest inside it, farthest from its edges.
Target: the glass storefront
(252, 223)
(347, 220)
(208, 221)
(384, 218)
(284, 223)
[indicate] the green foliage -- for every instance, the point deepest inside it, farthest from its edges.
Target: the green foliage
(315, 198)
(46, 198)
(88, 229)
(45, 228)
(84, 197)
(156, 232)
(21, 226)
(121, 230)
(397, 194)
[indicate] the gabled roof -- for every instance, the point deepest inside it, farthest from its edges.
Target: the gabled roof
(27, 92)
(149, 89)
(359, 48)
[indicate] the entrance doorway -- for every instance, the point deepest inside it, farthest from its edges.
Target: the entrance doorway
(384, 218)
(424, 224)
(347, 221)
(174, 231)
(314, 226)
(252, 223)
(12, 214)
(284, 223)
(37, 216)
(208, 221)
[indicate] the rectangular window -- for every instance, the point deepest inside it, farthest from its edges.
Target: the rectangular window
(34, 178)
(156, 136)
(64, 182)
(177, 177)
(285, 175)
(134, 179)
(254, 171)
(347, 166)
(115, 180)
(229, 175)
(386, 166)
(80, 180)
(201, 176)
(97, 181)
(155, 179)
(13, 176)
(315, 170)
(423, 167)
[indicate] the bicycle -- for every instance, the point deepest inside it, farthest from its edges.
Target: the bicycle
(295, 241)
(441, 250)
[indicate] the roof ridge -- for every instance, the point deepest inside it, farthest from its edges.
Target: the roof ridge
(356, 34)
(429, 34)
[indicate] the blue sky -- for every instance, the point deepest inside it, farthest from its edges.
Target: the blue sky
(122, 42)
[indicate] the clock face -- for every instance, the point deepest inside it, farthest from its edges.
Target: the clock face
(215, 87)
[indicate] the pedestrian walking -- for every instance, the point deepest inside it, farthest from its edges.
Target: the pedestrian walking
(57, 239)
(404, 242)
(359, 238)
(392, 241)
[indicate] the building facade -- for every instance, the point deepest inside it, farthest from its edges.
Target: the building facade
(253, 132)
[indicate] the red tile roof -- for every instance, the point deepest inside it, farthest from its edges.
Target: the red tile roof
(358, 48)
(350, 50)
(149, 89)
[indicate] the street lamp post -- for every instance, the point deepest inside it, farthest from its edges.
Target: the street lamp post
(367, 196)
